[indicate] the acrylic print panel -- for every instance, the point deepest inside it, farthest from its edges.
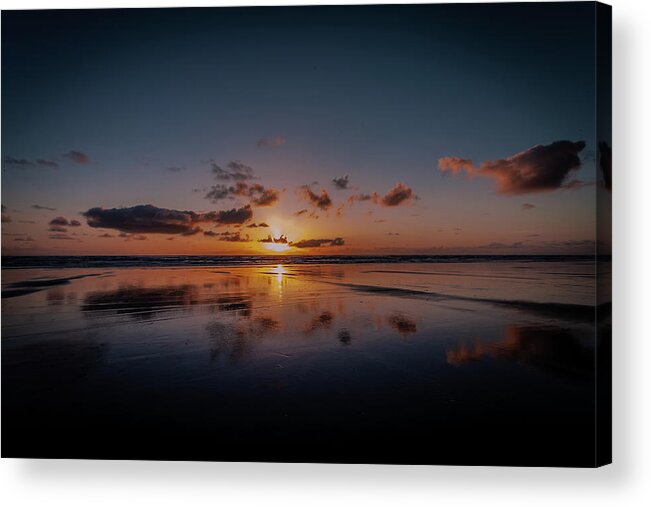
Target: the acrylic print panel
(372, 234)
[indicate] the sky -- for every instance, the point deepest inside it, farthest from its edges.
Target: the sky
(441, 129)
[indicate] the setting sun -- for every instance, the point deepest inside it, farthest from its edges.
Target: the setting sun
(277, 247)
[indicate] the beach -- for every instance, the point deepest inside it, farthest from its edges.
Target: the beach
(464, 362)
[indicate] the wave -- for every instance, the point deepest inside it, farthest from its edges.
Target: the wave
(144, 261)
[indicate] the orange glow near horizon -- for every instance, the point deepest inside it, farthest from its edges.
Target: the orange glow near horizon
(277, 247)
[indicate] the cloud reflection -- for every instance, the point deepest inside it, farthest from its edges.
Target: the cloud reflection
(548, 348)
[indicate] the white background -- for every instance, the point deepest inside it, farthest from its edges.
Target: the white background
(626, 482)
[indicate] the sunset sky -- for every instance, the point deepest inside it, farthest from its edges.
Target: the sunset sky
(355, 130)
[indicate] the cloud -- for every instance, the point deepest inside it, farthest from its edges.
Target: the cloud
(17, 161)
(235, 171)
(360, 198)
(234, 216)
(132, 237)
(254, 225)
(175, 169)
(527, 205)
(321, 201)
(61, 236)
(456, 165)
(146, 218)
(218, 192)
(64, 222)
(270, 142)
(24, 238)
(300, 212)
(47, 163)
(39, 207)
(537, 169)
(316, 243)
(257, 194)
(106, 235)
(57, 228)
(78, 157)
(270, 239)
(606, 163)
(261, 196)
(341, 183)
(5, 217)
(396, 196)
(228, 236)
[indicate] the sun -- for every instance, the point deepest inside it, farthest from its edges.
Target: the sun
(277, 247)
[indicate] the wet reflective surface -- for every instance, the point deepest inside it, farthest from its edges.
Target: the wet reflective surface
(482, 363)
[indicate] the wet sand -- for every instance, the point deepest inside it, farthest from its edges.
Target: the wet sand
(459, 363)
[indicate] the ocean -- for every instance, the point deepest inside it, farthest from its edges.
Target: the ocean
(399, 359)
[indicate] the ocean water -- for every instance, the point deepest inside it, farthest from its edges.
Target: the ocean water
(460, 360)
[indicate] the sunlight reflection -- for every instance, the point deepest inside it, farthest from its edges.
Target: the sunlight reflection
(279, 271)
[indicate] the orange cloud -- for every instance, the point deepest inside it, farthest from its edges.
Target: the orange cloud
(537, 169)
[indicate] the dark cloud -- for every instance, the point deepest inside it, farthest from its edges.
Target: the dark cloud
(234, 216)
(39, 207)
(235, 171)
(261, 196)
(105, 235)
(146, 218)
(175, 169)
(17, 161)
(538, 169)
(218, 192)
(270, 142)
(257, 194)
(228, 236)
(321, 201)
(5, 217)
(64, 222)
(341, 183)
(62, 236)
(300, 212)
(316, 243)
(360, 198)
(59, 221)
(396, 196)
(129, 237)
(47, 163)
(527, 205)
(270, 239)
(57, 228)
(254, 225)
(393, 234)
(606, 163)
(78, 157)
